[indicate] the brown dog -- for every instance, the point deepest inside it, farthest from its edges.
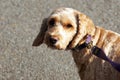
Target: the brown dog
(66, 28)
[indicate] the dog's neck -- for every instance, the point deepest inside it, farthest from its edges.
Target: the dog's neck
(99, 34)
(85, 51)
(97, 38)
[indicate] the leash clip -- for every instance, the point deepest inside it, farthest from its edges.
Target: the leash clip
(89, 45)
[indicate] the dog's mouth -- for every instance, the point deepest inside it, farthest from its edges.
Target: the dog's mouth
(53, 46)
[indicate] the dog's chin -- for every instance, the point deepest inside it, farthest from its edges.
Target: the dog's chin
(54, 46)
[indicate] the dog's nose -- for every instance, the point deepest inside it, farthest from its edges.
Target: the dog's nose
(53, 40)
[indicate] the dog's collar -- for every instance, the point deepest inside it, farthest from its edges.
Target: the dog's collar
(97, 52)
(87, 44)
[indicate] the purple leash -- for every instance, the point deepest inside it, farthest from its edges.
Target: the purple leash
(98, 52)
(101, 54)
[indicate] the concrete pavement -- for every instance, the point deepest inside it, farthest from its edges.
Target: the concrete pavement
(20, 21)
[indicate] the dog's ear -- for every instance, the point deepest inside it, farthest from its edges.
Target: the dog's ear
(40, 37)
(85, 26)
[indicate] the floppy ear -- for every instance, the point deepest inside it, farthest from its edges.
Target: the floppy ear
(40, 37)
(85, 26)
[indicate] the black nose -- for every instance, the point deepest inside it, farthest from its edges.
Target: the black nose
(53, 40)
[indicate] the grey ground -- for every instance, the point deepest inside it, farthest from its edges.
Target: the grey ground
(20, 21)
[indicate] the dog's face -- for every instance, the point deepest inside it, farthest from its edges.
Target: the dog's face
(61, 28)
(65, 26)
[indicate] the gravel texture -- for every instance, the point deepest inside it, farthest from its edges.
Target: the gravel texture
(20, 21)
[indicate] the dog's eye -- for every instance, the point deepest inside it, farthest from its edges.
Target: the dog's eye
(52, 22)
(69, 25)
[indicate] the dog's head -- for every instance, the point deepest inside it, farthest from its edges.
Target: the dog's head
(65, 26)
